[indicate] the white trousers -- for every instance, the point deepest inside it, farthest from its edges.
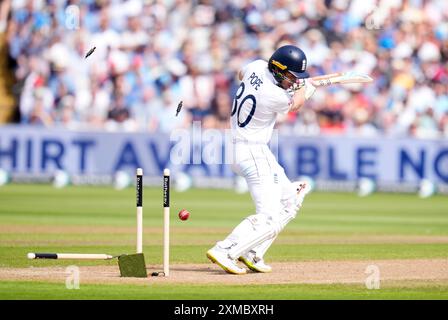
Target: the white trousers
(268, 184)
(271, 191)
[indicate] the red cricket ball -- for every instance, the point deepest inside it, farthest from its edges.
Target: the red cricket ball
(184, 214)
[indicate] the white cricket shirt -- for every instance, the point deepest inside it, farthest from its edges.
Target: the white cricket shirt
(256, 104)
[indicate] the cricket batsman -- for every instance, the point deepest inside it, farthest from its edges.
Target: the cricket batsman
(267, 89)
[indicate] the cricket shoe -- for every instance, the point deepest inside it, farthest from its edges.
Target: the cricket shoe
(254, 263)
(222, 259)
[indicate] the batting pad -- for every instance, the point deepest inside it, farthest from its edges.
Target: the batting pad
(132, 265)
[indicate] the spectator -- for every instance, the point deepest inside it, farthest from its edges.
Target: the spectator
(151, 54)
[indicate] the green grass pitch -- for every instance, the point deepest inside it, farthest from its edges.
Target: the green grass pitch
(330, 227)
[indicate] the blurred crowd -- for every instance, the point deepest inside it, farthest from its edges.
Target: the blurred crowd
(150, 55)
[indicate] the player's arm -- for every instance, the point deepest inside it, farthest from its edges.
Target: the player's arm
(297, 101)
(305, 90)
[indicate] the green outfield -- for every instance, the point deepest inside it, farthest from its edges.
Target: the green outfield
(331, 227)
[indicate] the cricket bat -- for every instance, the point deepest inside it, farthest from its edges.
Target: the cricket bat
(341, 77)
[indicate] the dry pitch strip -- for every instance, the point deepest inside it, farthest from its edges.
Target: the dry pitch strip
(130, 265)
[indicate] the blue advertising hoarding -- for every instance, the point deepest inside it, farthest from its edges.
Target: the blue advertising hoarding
(36, 150)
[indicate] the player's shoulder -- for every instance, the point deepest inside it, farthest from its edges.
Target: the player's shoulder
(258, 64)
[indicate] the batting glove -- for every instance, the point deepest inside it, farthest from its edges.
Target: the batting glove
(303, 83)
(309, 89)
(300, 83)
